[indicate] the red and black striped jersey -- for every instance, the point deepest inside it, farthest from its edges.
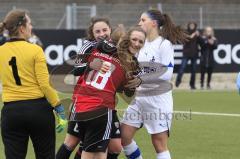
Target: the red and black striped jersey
(97, 89)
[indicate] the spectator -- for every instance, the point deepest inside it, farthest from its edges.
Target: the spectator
(190, 52)
(208, 43)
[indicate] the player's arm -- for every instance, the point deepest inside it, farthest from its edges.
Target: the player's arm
(81, 59)
(42, 76)
(126, 94)
(163, 70)
(79, 68)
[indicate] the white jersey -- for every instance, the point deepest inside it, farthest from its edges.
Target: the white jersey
(156, 59)
(153, 104)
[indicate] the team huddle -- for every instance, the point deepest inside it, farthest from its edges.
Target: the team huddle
(137, 63)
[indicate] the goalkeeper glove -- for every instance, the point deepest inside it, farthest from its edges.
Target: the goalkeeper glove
(62, 122)
(238, 82)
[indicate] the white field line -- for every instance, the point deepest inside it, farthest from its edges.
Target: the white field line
(200, 113)
(209, 114)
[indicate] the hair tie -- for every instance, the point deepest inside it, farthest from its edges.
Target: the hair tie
(153, 16)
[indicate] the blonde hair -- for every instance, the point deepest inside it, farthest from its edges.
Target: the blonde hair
(118, 33)
(127, 59)
(206, 29)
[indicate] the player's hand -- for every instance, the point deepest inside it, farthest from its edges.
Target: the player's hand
(96, 64)
(62, 123)
(61, 119)
(238, 82)
(197, 33)
(211, 41)
(133, 83)
(106, 66)
(99, 65)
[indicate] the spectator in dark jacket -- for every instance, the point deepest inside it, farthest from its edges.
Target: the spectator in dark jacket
(208, 43)
(190, 52)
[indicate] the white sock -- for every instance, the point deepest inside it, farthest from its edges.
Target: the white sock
(164, 155)
(132, 150)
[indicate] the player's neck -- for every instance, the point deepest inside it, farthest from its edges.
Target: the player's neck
(152, 35)
(17, 37)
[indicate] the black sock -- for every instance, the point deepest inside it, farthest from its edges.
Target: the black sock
(112, 155)
(64, 152)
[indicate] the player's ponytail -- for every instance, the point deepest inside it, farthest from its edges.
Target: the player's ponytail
(2, 27)
(167, 28)
(173, 33)
(13, 20)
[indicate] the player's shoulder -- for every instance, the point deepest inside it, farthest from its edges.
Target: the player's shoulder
(88, 42)
(34, 47)
(164, 41)
(24, 44)
(87, 46)
(165, 44)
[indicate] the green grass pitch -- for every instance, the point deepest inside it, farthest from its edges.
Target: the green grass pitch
(195, 136)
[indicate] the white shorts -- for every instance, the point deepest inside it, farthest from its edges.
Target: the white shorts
(155, 113)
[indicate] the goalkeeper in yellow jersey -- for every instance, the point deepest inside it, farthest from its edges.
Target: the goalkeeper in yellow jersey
(28, 98)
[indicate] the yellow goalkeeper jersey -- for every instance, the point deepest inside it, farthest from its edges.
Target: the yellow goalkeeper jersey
(24, 74)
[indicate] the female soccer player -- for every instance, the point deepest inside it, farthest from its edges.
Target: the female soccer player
(99, 29)
(153, 104)
(27, 95)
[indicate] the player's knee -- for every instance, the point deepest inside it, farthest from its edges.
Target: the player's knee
(115, 149)
(127, 133)
(160, 144)
(115, 146)
(71, 141)
(126, 139)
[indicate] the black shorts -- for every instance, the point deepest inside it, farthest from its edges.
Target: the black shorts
(94, 133)
(21, 120)
(115, 133)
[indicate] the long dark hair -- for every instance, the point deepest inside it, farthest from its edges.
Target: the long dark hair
(190, 30)
(94, 20)
(167, 28)
(13, 20)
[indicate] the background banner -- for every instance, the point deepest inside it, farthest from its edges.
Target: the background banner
(61, 46)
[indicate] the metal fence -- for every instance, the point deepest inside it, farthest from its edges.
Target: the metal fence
(60, 15)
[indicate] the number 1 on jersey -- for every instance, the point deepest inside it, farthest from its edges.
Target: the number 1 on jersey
(13, 63)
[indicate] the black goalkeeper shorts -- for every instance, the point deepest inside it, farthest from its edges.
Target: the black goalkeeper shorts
(21, 120)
